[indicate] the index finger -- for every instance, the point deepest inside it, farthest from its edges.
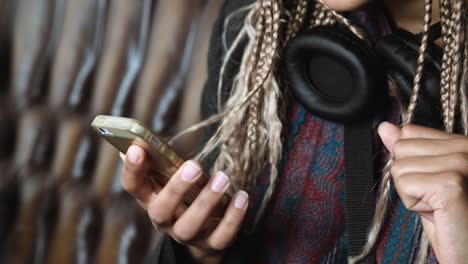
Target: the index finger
(415, 131)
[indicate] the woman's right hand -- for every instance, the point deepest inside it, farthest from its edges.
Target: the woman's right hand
(206, 237)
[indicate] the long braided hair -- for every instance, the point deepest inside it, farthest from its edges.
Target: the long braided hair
(249, 135)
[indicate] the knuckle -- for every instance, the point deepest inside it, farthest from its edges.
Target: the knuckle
(132, 169)
(461, 159)
(207, 199)
(463, 142)
(396, 169)
(176, 189)
(159, 217)
(409, 131)
(453, 189)
(401, 184)
(218, 245)
(398, 148)
(131, 179)
(182, 233)
(231, 223)
(455, 183)
(127, 183)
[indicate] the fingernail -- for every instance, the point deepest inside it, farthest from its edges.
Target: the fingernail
(241, 200)
(134, 155)
(220, 182)
(190, 171)
(383, 124)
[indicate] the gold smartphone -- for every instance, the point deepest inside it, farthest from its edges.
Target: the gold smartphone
(123, 132)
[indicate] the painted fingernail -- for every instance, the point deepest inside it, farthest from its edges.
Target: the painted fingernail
(220, 182)
(190, 171)
(241, 200)
(134, 155)
(383, 124)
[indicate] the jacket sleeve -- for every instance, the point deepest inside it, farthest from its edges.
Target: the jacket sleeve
(170, 252)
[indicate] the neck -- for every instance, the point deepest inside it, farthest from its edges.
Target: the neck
(409, 14)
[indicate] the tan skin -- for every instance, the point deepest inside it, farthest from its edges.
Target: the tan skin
(430, 175)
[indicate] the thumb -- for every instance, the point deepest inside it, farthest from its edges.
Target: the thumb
(389, 133)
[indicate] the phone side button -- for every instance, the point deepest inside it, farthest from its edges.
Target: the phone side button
(155, 142)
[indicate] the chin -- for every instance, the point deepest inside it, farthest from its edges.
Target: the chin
(344, 5)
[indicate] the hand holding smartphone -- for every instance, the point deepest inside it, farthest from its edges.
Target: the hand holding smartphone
(123, 132)
(189, 208)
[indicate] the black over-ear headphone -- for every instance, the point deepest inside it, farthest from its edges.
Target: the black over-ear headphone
(338, 76)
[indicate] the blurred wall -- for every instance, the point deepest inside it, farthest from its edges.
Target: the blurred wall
(62, 62)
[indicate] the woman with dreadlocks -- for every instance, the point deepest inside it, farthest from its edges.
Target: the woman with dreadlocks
(286, 164)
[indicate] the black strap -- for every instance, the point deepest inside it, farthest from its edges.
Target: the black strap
(359, 185)
(435, 32)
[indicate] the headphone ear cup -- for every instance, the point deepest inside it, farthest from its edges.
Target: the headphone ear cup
(400, 52)
(335, 75)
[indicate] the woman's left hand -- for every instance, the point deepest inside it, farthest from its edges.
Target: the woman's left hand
(430, 174)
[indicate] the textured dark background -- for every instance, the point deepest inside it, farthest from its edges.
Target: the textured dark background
(62, 62)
